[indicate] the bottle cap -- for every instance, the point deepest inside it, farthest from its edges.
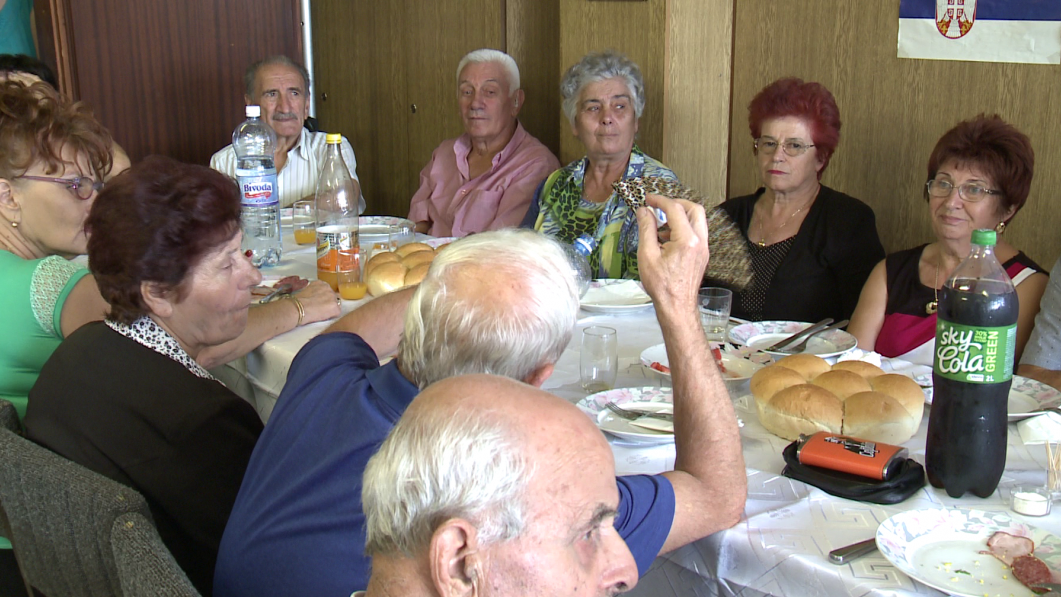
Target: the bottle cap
(984, 238)
(254, 111)
(333, 138)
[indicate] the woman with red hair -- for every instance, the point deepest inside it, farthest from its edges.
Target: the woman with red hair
(979, 176)
(812, 248)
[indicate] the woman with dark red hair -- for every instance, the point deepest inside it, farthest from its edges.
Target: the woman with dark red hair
(127, 397)
(812, 248)
(979, 176)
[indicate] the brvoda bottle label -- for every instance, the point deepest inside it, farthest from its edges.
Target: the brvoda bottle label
(974, 354)
(259, 191)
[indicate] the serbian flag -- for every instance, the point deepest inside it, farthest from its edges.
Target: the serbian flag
(981, 30)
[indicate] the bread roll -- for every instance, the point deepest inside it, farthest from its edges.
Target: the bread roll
(379, 259)
(842, 383)
(807, 365)
(770, 380)
(804, 408)
(904, 390)
(879, 417)
(866, 370)
(414, 259)
(410, 248)
(386, 277)
(416, 274)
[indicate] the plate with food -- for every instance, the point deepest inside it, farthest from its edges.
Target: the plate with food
(1026, 397)
(970, 552)
(615, 296)
(734, 366)
(761, 334)
(642, 399)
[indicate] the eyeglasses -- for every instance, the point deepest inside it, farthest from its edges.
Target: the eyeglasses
(791, 148)
(81, 186)
(970, 191)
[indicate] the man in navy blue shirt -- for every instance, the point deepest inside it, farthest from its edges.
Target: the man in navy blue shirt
(505, 303)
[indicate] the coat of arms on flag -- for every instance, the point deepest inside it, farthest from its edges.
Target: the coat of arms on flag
(981, 30)
(954, 18)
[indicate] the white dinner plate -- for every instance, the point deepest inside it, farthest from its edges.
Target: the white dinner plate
(615, 296)
(372, 229)
(1025, 396)
(941, 549)
(760, 334)
(644, 398)
(737, 369)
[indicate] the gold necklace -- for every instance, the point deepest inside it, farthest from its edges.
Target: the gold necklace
(933, 305)
(762, 239)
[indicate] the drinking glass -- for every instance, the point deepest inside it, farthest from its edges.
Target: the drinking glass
(304, 221)
(401, 234)
(715, 305)
(599, 358)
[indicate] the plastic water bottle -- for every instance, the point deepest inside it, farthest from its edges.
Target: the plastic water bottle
(255, 142)
(976, 333)
(338, 249)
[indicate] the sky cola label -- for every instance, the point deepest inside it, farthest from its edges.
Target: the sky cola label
(974, 354)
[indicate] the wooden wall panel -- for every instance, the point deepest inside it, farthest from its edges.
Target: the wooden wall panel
(893, 110)
(697, 93)
(532, 38)
(166, 77)
(634, 28)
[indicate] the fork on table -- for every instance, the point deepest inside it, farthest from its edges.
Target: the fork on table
(633, 415)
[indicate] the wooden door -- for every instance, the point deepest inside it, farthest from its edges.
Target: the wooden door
(165, 77)
(375, 61)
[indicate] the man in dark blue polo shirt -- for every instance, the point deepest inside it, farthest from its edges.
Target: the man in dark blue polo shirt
(504, 303)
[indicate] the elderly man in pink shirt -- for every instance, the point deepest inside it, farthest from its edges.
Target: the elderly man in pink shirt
(484, 179)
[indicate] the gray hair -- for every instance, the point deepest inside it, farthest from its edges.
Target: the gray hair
(599, 66)
(252, 73)
(488, 55)
(437, 465)
(446, 334)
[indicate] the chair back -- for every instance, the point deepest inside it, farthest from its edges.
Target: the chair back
(8, 417)
(60, 516)
(145, 565)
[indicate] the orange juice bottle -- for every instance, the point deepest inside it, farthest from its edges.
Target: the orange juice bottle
(338, 249)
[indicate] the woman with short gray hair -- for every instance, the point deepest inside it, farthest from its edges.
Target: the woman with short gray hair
(603, 98)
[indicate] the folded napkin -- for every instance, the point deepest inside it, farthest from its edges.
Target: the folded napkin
(857, 354)
(653, 424)
(1040, 429)
(626, 292)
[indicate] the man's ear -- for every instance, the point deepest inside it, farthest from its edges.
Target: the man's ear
(517, 100)
(539, 375)
(455, 561)
(157, 299)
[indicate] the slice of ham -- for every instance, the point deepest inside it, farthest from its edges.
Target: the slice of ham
(1007, 547)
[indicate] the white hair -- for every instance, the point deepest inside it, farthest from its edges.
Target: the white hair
(600, 66)
(438, 465)
(447, 334)
(488, 55)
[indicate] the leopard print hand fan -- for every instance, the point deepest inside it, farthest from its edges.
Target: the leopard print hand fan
(730, 262)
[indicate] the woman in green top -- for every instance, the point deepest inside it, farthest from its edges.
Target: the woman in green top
(53, 158)
(603, 98)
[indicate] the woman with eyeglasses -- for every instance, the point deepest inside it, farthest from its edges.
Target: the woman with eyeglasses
(979, 175)
(812, 248)
(53, 157)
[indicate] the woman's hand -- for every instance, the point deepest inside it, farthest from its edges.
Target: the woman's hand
(320, 302)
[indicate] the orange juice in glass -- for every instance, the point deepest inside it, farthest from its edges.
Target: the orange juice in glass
(304, 221)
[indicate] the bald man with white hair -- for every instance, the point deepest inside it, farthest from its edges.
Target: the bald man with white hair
(484, 179)
(489, 486)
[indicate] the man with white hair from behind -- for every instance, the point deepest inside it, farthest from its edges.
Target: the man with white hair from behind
(488, 486)
(484, 179)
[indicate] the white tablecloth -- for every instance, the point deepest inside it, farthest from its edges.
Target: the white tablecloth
(780, 546)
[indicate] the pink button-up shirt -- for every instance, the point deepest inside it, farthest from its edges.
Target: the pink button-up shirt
(457, 206)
